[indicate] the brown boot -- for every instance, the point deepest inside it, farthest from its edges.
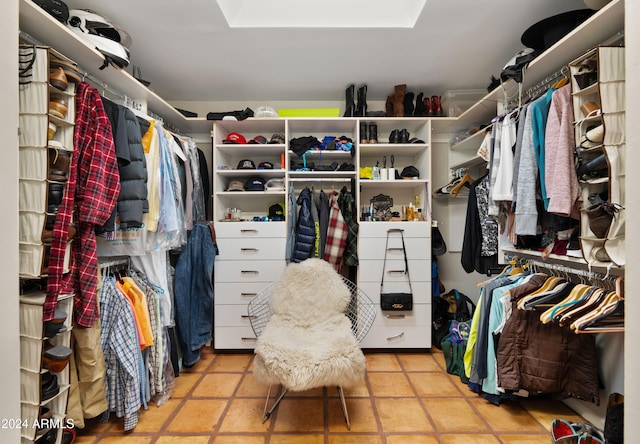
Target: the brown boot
(398, 100)
(428, 107)
(388, 107)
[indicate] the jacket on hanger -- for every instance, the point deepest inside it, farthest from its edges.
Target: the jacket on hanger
(305, 230)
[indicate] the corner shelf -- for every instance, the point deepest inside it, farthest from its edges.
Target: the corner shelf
(34, 21)
(599, 27)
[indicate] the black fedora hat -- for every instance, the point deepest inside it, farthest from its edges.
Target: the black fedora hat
(546, 32)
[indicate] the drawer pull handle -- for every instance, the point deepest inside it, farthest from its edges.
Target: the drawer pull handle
(395, 230)
(245, 295)
(396, 271)
(248, 339)
(247, 316)
(395, 316)
(394, 249)
(398, 336)
(248, 231)
(249, 249)
(249, 272)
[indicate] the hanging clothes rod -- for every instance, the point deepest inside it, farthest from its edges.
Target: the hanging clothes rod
(537, 89)
(115, 262)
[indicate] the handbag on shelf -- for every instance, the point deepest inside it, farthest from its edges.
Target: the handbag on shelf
(397, 301)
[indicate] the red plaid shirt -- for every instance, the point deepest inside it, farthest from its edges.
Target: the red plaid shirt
(336, 235)
(92, 192)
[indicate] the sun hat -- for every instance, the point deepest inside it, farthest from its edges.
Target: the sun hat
(234, 137)
(235, 185)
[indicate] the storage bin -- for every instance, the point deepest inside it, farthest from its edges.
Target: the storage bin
(31, 225)
(455, 102)
(32, 163)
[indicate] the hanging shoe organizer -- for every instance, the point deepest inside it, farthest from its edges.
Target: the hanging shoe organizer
(598, 85)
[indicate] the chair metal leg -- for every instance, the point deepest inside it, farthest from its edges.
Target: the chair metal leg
(283, 391)
(344, 407)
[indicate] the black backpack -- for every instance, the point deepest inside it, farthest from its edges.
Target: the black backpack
(445, 308)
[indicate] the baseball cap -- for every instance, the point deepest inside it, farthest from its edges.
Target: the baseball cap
(265, 166)
(410, 171)
(234, 137)
(258, 139)
(277, 138)
(246, 164)
(235, 185)
(276, 211)
(254, 183)
(274, 185)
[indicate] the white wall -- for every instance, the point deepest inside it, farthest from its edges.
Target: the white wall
(9, 319)
(632, 302)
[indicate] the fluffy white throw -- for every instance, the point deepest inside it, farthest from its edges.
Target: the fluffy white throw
(308, 341)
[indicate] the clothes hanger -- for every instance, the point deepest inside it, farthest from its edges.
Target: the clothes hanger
(466, 180)
(591, 302)
(607, 305)
(575, 295)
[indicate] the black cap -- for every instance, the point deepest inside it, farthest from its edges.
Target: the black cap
(410, 171)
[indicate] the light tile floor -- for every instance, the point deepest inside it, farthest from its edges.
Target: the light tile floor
(406, 398)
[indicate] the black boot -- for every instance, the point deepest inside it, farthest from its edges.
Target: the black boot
(404, 136)
(361, 108)
(394, 136)
(364, 137)
(408, 104)
(350, 107)
(419, 111)
(373, 132)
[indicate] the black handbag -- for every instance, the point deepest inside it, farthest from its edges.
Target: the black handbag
(396, 301)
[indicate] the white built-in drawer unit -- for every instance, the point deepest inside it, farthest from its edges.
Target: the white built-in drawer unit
(397, 329)
(251, 258)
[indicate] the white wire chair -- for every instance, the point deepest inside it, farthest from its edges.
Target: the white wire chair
(361, 311)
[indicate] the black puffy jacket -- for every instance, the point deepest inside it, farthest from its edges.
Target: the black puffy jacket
(305, 230)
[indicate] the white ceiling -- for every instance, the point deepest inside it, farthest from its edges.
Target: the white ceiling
(189, 53)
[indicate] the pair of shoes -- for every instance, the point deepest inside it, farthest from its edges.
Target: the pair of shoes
(59, 162)
(52, 327)
(58, 78)
(58, 107)
(54, 197)
(399, 136)
(56, 357)
(47, 234)
(48, 438)
(49, 387)
(565, 432)
(368, 132)
(600, 216)
(433, 106)
(68, 435)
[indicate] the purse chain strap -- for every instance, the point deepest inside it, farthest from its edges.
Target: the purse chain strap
(404, 251)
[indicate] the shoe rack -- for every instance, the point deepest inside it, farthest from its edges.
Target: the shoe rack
(44, 388)
(598, 84)
(46, 123)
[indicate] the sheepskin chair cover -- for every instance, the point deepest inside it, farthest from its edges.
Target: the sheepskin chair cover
(308, 341)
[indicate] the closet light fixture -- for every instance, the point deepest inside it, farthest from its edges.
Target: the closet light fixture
(322, 13)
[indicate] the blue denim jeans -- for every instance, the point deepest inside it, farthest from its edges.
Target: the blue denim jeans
(193, 292)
